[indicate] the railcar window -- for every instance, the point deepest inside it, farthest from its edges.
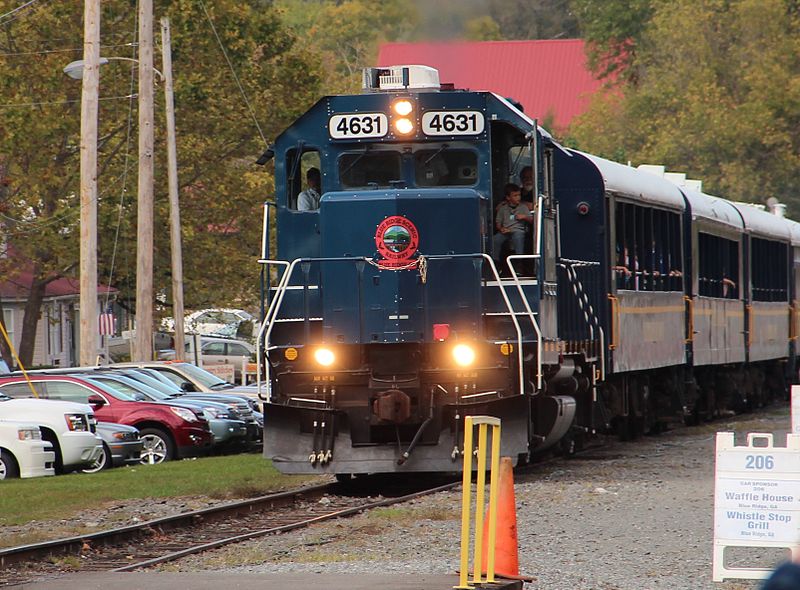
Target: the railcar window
(369, 169)
(647, 249)
(769, 270)
(718, 267)
(445, 167)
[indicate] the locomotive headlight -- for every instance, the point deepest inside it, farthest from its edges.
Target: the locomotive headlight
(403, 126)
(402, 107)
(324, 357)
(463, 355)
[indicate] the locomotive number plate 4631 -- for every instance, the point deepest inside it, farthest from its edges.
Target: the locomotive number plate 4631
(358, 126)
(452, 123)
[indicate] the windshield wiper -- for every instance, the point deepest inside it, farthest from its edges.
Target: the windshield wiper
(356, 161)
(436, 153)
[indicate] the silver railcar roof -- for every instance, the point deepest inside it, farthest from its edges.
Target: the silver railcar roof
(642, 186)
(764, 224)
(716, 209)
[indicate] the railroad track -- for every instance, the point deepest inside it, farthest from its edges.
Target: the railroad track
(167, 539)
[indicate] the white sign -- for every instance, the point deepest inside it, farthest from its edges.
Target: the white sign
(452, 123)
(756, 498)
(795, 409)
(225, 372)
(358, 126)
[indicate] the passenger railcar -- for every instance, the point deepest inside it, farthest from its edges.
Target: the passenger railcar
(390, 318)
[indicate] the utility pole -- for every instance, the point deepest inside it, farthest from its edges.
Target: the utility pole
(174, 205)
(144, 228)
(88, 249)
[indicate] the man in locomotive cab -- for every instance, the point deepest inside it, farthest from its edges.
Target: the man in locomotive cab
(526, 179)
(512, 221)
(308, 200)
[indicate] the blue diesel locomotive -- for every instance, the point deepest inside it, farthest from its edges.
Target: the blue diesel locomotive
(390, 318)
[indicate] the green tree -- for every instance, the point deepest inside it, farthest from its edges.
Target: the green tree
(718, 98)
(217, 143)
(612, 30)
(345, 34)
(483, 28)
(542, 19)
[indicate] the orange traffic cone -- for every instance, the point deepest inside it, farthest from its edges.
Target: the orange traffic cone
(506, 559)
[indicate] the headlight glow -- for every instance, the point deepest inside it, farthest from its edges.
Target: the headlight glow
(324, 357)
(403, 107)
(463, 355)
(403, 126)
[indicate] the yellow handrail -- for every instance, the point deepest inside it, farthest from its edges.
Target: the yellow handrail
(16, 358)
(690, 304)
(614, 322)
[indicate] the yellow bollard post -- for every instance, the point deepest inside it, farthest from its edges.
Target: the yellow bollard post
(466, 488)
(483, 422)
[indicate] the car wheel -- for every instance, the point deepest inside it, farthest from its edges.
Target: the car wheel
(158, 446)
(8, 466)
(104, 461)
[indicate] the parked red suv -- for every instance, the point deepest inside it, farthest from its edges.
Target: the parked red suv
(168, 431)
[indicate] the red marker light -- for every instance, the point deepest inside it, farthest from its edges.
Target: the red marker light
(441, 331)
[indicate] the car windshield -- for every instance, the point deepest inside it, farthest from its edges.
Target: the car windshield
(116, 389)
(156, 384)
(203, 377)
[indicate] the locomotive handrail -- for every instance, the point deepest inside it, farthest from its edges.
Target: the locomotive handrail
(569, 265)
(515, 277)
(508, 306)
(280, 291)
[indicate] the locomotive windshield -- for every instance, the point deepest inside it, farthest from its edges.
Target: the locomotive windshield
(433, 166)
(369, 169)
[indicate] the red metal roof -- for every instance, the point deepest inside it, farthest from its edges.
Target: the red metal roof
(19, 287)
(546, 77)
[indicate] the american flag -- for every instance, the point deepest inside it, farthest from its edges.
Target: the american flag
(107, 323)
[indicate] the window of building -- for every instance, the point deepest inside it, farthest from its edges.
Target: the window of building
(370, 169)
(8, 321)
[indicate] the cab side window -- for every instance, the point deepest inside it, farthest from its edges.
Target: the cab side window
(303, 171)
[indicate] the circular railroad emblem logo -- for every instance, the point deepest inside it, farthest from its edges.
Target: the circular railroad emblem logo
(397, 240)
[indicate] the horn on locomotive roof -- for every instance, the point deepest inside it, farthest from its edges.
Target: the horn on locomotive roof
(400, 78)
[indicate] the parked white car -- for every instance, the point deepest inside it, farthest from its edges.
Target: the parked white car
(227, 323)
(68, 426)
(23, 453)
(217, 351)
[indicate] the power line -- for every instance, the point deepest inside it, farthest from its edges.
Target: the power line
(37, 104)
(17, 9)
(235, 77)
(70, 50)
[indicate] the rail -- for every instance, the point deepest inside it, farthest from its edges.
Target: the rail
(267, 325)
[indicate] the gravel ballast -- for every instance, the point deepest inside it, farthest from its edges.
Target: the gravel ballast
(626, 516)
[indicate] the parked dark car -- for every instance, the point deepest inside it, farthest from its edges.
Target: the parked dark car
(227, 426)
(122, 445)
(168, 431)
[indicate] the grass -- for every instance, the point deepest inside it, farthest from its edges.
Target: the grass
(62, 497)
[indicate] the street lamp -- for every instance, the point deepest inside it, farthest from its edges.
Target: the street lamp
(144, 254)
(74, 69)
